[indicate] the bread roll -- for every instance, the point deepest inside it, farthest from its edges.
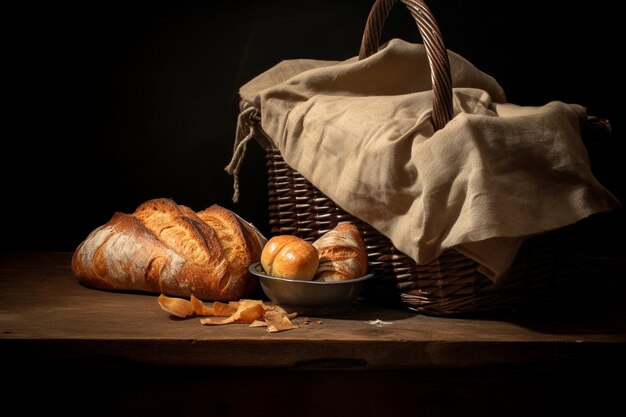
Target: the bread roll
(342, 254)
(164, 247)
(287, 256)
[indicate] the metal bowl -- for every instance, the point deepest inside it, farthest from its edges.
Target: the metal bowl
(310, 297)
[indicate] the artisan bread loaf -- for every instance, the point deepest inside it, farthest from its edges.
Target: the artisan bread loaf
(288, 256)
(165, 247)
(342, 254)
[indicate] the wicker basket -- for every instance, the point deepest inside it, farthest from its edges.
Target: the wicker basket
(451, 284)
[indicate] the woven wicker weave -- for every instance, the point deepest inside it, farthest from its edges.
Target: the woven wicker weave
(451, 284)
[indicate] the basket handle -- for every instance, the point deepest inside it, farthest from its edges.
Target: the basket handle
(435, 51)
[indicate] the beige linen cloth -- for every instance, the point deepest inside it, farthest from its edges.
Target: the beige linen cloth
(360, 131)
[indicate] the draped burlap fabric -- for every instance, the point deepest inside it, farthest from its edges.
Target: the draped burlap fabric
(360, 131)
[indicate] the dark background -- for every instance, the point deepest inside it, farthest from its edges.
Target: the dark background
(113, 103)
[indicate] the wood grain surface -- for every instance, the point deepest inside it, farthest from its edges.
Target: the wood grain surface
(46, 315)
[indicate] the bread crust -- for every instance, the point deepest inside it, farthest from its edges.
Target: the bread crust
(238, 244)
(167, 248)
(288, 256)
(342, 254)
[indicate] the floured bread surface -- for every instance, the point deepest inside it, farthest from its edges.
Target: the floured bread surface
(123, 255)
(167, 248)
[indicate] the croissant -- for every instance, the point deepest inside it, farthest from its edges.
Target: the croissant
(164, 247)
(342, 254)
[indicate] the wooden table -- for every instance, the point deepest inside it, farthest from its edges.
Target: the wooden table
(55, 329)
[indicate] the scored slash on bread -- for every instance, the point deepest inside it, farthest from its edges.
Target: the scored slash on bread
(181, 229)
(239, 243)
(164, 247)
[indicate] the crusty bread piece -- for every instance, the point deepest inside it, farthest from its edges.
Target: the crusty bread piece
(164, 247)
(240, 247)
(342, 254)
(288, 256)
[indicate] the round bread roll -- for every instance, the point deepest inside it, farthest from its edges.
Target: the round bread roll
(288, 256)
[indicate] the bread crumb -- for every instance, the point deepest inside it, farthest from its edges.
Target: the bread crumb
(379, 322)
